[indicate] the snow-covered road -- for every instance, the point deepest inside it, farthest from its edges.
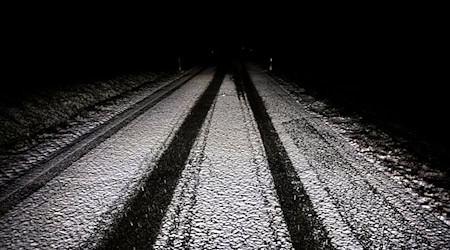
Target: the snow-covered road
(224, 162)
(225, 197)
(74, 208)
(360, 206)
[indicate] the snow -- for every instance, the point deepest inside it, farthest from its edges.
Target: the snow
(48, 107)
(17, 160)
(90, 193)
(359, 206)
(390, 152)
(226, 197)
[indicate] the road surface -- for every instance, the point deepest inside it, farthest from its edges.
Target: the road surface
(229, 160)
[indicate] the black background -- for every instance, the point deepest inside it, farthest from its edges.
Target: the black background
(388, 59)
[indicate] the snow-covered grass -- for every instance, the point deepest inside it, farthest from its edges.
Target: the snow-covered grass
(49, 107)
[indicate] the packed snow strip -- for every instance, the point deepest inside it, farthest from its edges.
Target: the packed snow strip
(225, 198)
(74, 208)
(50, 106)
(16, 162)
(360, 206)
(389, 154)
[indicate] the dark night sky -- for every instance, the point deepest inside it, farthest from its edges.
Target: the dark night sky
(128, 38)
(369, 41)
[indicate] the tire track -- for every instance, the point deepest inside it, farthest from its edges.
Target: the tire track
(305, 228)
(139, 226)
(226, 198)
(20, 188)
(361, 207)
(77, 208)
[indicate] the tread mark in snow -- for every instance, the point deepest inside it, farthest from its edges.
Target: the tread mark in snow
(305, 229)
(149, 206)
